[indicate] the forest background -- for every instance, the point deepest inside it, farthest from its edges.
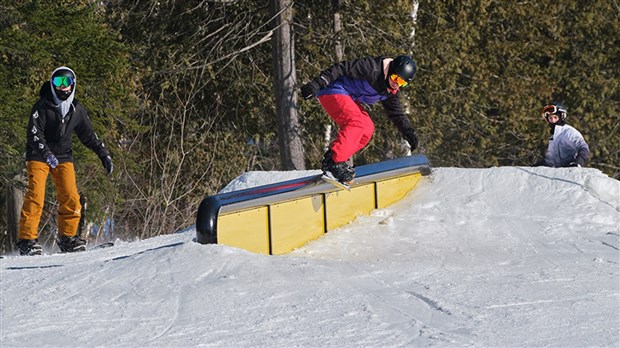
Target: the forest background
(190, 94)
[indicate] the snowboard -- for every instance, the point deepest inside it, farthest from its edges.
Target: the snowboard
(101, 246)
(85, 248)
(88, 248)
(331, 180)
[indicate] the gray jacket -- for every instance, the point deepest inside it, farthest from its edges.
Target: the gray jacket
(566, 146)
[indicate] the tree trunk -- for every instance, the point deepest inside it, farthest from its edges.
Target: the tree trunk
(337, 28)
(414, 17)
(14, 201)
(283, 56)
(339, 58)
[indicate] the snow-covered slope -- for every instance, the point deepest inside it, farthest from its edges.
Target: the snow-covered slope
(485, 257)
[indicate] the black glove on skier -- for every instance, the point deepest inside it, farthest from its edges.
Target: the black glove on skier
(107, 163)
(411, 138)
(310, 89)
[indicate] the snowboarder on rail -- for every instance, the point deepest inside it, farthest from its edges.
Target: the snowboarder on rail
(343, 88)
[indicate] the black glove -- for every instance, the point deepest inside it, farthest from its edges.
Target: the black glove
(411, 137)
(310, 89)
(574, 164)
(107, 163)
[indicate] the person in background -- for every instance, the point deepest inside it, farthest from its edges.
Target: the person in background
(343, 88)
(567, 147)
(53, 119)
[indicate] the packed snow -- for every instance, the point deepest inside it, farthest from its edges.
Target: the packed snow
(508, 256)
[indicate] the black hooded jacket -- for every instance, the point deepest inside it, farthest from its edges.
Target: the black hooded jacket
(48, 132)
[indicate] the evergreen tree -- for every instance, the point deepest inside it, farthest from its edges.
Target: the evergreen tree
(489, 67)
(36, 37)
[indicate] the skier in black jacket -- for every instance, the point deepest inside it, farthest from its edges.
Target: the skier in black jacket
(53, 119)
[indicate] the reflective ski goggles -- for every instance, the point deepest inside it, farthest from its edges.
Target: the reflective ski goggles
(60, 81)
(398, 80)
(550, 110)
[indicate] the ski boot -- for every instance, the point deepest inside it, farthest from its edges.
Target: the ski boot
(29, 247)
(71, 244)
(341, 171)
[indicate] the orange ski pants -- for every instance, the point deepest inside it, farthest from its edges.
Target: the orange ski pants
(69, 208)
(356, 127)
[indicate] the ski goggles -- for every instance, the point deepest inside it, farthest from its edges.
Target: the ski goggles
(60, 81)
(398, 80)
(550, 110)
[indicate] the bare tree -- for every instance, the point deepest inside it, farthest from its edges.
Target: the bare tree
(414, 18)
(338, 47)
(14, 198)
(337, 29)
(287, 110)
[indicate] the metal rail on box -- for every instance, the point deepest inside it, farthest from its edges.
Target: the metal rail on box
(279, 217)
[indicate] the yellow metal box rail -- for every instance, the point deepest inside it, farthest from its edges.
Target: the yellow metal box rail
(277, 218)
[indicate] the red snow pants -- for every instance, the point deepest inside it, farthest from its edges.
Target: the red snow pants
(355, 126)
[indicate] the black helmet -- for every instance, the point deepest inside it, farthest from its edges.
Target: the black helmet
(403, 66)
(63, 77)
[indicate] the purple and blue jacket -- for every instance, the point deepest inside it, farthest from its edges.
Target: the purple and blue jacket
(365, 82)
